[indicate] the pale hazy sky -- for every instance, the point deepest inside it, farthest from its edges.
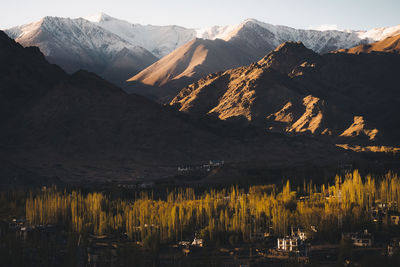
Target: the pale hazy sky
(343, 14)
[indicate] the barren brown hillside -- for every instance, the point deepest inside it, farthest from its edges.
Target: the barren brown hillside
(187, 64)
(295, 90)
(82, 127)
(390, 44)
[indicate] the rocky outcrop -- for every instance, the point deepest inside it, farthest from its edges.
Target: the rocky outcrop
(296, 91)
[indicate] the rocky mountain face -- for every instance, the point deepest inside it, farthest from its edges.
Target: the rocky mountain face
(25, 76)
(251, 39)
(76, 44)
(297, 91)
(118, 50)
(185, 65)
(42, 106)
(82, 127)
(159, 40)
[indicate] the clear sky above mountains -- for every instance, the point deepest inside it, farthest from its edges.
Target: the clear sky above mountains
(340, 14)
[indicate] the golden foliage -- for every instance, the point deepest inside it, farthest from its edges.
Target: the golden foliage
(233, 210)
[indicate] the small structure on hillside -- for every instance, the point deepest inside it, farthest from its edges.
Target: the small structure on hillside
(145, 185)
(360, 239)
(199, 168)
(186, 168)
(216, 163)
(345, 168)
(193, 169)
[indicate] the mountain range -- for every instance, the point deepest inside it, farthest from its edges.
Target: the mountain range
(79, 126)
(118, 50)
(294, 90)
(76, 44)
(253, 94)
(246, 43)
(390, 44)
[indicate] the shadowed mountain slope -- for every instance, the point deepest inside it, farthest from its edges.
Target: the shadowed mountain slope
(252, 40)
(187, 64)
(295, 90)
(82, 127)
(76, 44)
(117, 50)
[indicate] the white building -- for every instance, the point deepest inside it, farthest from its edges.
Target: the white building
(289, 244)
(294, 244)
(216, 163)
(197, 242)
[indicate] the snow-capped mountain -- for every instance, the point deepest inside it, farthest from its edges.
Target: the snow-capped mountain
(117, 49)
(262, 35)
(79, 44)
(162, 40)
(319, 41)
(378, 34)
(251, 39)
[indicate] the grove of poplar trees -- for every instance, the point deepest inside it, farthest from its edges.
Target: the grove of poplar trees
(233, 210)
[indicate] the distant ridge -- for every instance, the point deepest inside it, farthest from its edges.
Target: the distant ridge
(76, 44)
(81, 128)
(294, 90)
(251, 39)
(390, 44)
(117, 50)
(187, 64)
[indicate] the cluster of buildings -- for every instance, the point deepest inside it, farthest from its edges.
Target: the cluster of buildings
(185, 169)
(295, 243)
(143, 185)
(360, 239)
(385, 211)
(197, 242)
(187, 245)
(16, 224)
(23, 229)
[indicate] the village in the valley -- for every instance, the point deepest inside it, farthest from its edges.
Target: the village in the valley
(381, 236)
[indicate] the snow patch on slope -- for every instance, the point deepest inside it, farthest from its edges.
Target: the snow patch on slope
(378, 34)
(160, 40)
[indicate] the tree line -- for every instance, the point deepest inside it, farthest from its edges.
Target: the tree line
(325, 209)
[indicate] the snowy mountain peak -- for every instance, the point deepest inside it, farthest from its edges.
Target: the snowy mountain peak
(252, 21)
(377, 34)
(110, 46)
(99, 17)
(81, 44)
